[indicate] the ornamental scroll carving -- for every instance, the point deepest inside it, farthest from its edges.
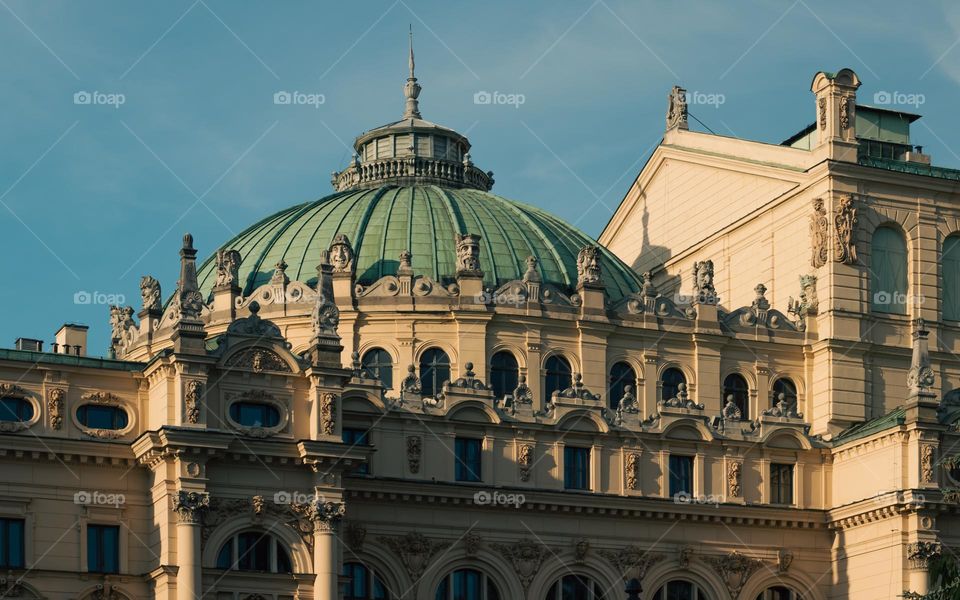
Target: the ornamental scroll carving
(926, 463)
(415, 551)
(734, 474)
(414, 451)
(191, 401)
(822, 109)
(526, 557)
(191, 506)
(328, 412)
(735, 569)
(632, 471)
(55, 403)
(819, 234)
(845, 218)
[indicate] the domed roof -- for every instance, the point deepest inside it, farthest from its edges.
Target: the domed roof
(383, 222)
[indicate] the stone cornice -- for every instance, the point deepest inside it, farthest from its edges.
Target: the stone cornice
(601, 505)
(878, 508)
(106, 453)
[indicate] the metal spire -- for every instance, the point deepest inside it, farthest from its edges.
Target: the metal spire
(412, 89)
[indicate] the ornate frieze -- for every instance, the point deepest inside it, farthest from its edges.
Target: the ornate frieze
(526, 556)
(414, 451)
(415, 551)
(819, 234)
(734, 569)
(191, 506)
(258, 360)
(844, 219)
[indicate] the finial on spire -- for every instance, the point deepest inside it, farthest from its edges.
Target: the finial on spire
(411, 89)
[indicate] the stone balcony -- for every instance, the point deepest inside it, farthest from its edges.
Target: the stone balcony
(410, 170)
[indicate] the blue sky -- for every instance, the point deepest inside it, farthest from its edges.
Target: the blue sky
(96, 194)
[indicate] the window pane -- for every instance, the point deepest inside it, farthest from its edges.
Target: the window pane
(15, 409)
(888, 271)
(102, 417)
(576, 468)
(434, 371)
(11, 543)
(504, 374)
(225, 556)
(951, 278)
(468, 454)
(103, 548)
(253, 552)
(735, 385)
(558, 377)
(670, 383)
(621, 375)
(378, 364)
(681, 475)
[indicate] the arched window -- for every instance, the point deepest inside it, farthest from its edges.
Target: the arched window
(378, 364)
(779, 593)
(786, 387)
(670, 383)
(254, 551)
(15, 409)
(621, 375)
(467, 584)
(951, 278)
(575, 587)
(96, 416)
(558, 377)
(680, 589)
(434, 371)
(254, 414)
(504, 373)
(364, 584)
(888, 271)
(735, 385)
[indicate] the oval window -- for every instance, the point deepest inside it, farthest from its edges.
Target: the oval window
(254, 414)
(95, 416)
(15, 409)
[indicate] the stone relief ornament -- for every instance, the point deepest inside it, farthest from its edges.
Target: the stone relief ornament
(921, 553)
(228, 268)
(703, 287)
(844, 112)
(926, 463)
(11, 588)
(191, 401)
(844, 220)
(589, 271)
(191, 506)
(920, 378)
(325, 516)
(577, 390)
(735, 569)
(469, 381)
(150, 294)
(783, 409)
(341, 255)
(354, 534)
(731, 412)
(258, 360)
(328, 408)
(808, 304)
(734, 474)
(55, 402)
(580, 549)
(468, 254)
(822, 110)
(532, 275)
(472, 543)
(631, 470)
(258, 503)
(632, 558)
(525, 461)
(628, 403)
(677, 108)
(526, 557)
(784, 560)
(279, 276)
(411, 383)
(254, 325)
(522, 394)
(819, 234)
(684, 555)
(415, 551)
(414, 451)
(681, 400)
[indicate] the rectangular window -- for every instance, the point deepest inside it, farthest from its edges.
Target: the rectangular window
(781, 484)
(103, 548)
(576, 468)
(357, 437)
(468, 452)
(11, 543)
(681, 475)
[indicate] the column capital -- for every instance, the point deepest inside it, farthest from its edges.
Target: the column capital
(326, 515)
(191, 506)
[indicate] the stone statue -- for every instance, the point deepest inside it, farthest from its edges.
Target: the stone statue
(532, 275)
(150, 293)
(818, 234)
(228, 267)
(677, 108)
(341, 254)
(280, 274)
(760, 302)
(588, 266)
(648, 290)
(844, 220)
(731, 412)
(703, 282)
(468, 254)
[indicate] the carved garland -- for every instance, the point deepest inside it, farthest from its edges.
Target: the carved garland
(55, 404)
(734, 473)
(191, 401)
(525, 461)
(632, 470)
(414, 451)
(845, 219)
(328, 408)
(819, 234)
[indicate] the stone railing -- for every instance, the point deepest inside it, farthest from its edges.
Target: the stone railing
(408, 170)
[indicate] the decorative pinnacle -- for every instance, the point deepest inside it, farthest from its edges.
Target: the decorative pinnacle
(412, 89)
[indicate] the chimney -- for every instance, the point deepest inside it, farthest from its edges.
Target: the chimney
(72, 339)
(835, 135)
(29, 344)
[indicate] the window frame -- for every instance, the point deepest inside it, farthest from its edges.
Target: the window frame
(357, 436)
(432, 368)
(887, 258)
(447, 587)
(781, 486)
(377, 368)
(371, 583)
(7, 543)
(554, 379)
(595, 591)
(463, 467)
(577, 468)
(728, 390)
(96, 548)
(504, 379)
(674, 386)
(672, 491)
(617, 383)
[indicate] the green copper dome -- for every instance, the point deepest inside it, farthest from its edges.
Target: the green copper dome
(383, 222)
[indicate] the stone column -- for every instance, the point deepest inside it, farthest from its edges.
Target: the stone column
(920, 554)
(326, 517)
(190, 508)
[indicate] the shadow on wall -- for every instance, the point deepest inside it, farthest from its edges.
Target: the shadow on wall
(650, 257)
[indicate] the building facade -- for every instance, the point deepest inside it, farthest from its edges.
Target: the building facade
(417, 389)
